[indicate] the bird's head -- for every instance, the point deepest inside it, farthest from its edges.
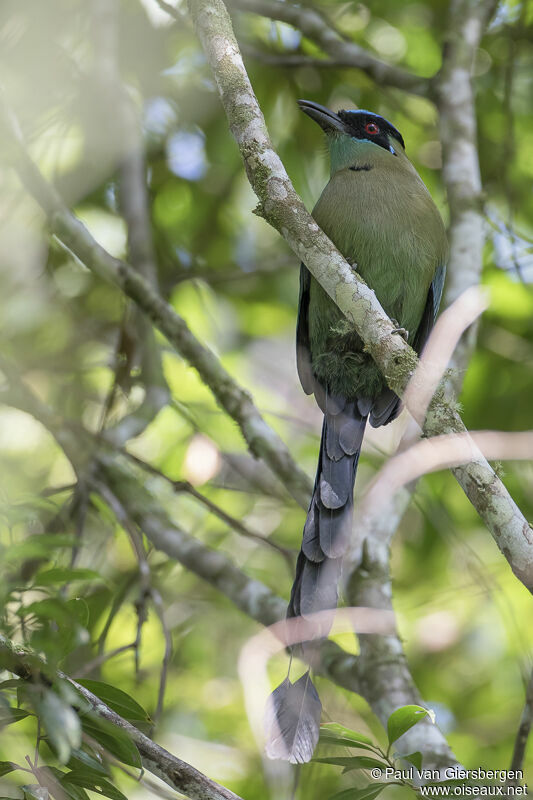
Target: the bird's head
(354, 134)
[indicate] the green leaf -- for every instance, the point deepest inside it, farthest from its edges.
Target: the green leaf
(74, 792)
(12, 683)
(88, 779)
(335, 731)
(35, 792)
(64, 575)
(10, 715)
(61, 722)
(41, 545)
(6, 767)
(114, 740)
(338, 741)
(56, 787)
(80, 759)
(79, 609)
(364, 762)
(402, 719)
(50, 608)
(72, 695)
(368, 792)
(415, 759)
(118, 701)
(70, 616)
(353, 762)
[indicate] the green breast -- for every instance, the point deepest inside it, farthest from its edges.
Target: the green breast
(384, 220)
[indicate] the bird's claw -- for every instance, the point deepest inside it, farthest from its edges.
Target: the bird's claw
(401, 332)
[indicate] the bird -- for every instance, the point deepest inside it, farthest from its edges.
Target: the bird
(379, 214)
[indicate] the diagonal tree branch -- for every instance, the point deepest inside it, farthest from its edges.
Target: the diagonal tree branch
(250, 596)
(237, 525)
(280, 205)
(383, 685)
(283, 209)
(173, 771)
(342, 53)
(261, 438)
(456, 107)
(382, 664)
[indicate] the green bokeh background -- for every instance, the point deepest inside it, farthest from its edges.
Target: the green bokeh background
(464, 619)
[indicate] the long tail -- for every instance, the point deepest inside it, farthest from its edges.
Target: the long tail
(328, 525)
(293, 712)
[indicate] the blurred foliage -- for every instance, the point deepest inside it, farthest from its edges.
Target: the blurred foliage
(70, 586)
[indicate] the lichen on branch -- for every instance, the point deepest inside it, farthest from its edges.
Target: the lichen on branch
(282, 208)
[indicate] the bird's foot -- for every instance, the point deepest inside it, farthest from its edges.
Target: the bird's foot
(399, 331)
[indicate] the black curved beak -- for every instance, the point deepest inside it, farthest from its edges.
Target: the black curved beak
(328, 120)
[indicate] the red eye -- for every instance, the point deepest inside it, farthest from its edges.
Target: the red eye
(371, 128)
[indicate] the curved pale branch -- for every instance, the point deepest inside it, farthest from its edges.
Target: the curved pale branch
(250, 596)
(282, 208)
(257, 601)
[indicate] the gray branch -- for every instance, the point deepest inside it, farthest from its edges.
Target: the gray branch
(173, 771)
(385, 684)
(524, 729)
(382, 668)
(250, 596)
(342, 53)
(262, 440)
(121, 116)
(460, 168)
(461, 172)
(382, 661)
(282, 208)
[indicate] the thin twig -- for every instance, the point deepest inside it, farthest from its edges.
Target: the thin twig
(148, 592)
(524, 729)
(167, 655)
(182, 777)
(142, 563)
(97, 662)
(251, 596)
(262, 440)
(235, 524)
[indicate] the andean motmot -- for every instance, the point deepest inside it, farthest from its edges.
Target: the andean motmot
(380, 215)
